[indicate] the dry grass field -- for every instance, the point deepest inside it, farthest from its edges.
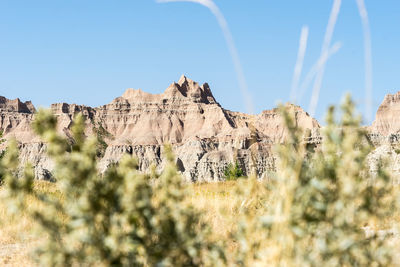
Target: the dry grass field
(219, 203)
(18, 238)
(216, 201)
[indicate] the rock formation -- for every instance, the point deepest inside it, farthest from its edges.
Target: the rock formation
(15, 119)
(205, 137)
(385, 134)
(388, 116)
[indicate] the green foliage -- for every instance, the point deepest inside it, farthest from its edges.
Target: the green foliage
(2, 153)
(319, 201)
(396, 148)
(101, 134)
(329, 196)
(1, 141)
(121, 218)
(233, 172)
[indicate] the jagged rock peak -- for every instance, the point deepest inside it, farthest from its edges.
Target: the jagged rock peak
(386, 121)
(390, 100)
(185, 88)
(61, 108)
(133, 94)
(196, 93)
(16, 105)
(289, 106)
(300, 115)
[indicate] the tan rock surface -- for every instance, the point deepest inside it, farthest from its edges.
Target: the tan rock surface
(388, 116)
(205, 137)
(385, 135)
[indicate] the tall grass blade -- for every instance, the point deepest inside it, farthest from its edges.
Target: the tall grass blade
(325, 47)
(314, 69)
(368, 59)
(231, 46)
(299, 63)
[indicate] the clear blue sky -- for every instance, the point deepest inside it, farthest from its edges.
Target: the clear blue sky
(89, 52)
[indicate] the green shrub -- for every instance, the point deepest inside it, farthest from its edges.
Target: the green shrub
(322, 200)
(121, 218)
(233, 172)
(318, 202)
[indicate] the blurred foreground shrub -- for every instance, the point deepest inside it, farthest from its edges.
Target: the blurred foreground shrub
(320, 201)
(121, 218)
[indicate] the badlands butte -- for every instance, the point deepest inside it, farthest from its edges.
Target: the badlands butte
(205, 137)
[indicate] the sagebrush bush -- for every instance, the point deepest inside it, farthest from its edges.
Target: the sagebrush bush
(319, 201)
(122, 218)
(322, 200)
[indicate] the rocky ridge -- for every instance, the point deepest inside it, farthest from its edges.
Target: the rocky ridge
(385, 134)
(205, 136)
(387, 117)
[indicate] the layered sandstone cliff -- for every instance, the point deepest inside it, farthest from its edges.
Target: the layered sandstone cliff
(15, 119)
(388, 116)
(205, 136)
(385, 134)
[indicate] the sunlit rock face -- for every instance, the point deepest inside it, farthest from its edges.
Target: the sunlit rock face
(205, 137)
(15, 119)
(387, 119)
(384, 133)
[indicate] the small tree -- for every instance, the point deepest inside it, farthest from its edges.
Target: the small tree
(233, 172)
(2, 152)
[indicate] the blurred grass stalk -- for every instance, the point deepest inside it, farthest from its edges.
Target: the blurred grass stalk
(314, 69)
(231, 46)
(368, 59)
(317, 71)
(325, 48)
(299, 63)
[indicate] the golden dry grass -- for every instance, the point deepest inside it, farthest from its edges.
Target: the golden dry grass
(218, 203)
(18, 238)
(216, 200)
(218, 207)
